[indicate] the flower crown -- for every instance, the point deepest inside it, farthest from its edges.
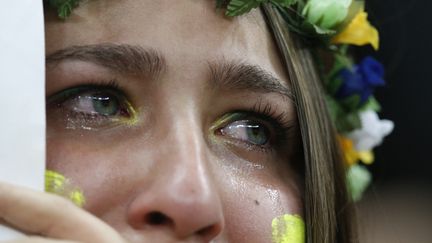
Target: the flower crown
(331, 26)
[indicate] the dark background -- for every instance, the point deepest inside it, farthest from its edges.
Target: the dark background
(406, 37)
(397, 207)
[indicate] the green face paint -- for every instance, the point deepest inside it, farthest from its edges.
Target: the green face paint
(58, 184)
(288, 229)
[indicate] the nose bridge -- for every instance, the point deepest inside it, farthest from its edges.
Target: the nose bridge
(182, 192)
(185, 154)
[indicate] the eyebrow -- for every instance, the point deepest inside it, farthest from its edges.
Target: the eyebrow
(137, 60)
(123, 58)
(244, 76)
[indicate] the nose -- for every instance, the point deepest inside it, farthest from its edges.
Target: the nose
(181, 197)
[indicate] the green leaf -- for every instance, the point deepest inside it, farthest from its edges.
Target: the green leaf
(220, 3)
(351, 103)
(239, 7)
(322, 31)
(326, 14)
(345, 121)
(64, 7)
(297, 23)
(371, 104)
(333, 108)
(284, 3)
(358, 179)
(315, 30)
(333, 84)
(348, 122)
(293, 20)
(333, 81)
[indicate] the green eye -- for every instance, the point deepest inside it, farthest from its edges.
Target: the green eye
(248, 131)
(105, 104)
(97, 103)
(89, 107)
(257, 134)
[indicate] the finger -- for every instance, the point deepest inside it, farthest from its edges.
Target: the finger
(52, 216)
(37, 239)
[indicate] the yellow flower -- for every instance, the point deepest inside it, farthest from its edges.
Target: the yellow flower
(358, 32)
(367, 157)
(351, 155)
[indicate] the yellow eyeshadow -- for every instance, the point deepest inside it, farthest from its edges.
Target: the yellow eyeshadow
(58, 184)
(224, 120)
(129, 121)
(221, 121)
(288, 229)
(133, 119)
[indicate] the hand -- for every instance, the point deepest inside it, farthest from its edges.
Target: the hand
(50, 218)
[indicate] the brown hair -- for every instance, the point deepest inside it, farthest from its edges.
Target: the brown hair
(329, 213)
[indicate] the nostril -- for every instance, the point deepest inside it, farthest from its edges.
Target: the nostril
(157, 218)
(209, 232)
(205, 231)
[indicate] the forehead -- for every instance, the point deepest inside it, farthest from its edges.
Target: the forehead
(182, 30)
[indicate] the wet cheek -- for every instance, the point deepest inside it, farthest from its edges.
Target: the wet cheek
(251, 207)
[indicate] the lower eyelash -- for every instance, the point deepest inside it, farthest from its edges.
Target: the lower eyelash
(75, 120)
(252, 147)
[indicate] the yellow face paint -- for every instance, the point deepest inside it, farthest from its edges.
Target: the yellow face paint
(58, 184)
(288, 229)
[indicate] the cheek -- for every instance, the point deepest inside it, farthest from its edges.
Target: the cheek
(96, 170)
(251, 197)
(251, 206)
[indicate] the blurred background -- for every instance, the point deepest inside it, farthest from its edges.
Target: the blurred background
(398, 207)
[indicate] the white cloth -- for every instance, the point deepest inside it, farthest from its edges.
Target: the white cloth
(22, 96)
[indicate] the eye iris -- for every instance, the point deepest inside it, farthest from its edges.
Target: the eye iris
(249, 131)
(106, 105)
(257, 134)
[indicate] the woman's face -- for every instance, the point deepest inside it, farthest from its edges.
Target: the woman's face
(175, 121)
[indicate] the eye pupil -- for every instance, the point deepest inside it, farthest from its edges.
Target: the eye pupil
(255, 129)
(106, 104)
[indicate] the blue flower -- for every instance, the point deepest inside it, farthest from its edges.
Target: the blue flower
(361, 80)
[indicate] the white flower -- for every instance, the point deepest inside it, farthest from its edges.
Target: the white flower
(372, 132)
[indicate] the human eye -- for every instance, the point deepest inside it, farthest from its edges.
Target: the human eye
(246, 129)
(90, 107)
(259, 129)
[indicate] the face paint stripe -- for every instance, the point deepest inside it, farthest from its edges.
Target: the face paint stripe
(58, 184)
(288, 229)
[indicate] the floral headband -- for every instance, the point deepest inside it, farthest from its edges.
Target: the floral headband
(330, 26)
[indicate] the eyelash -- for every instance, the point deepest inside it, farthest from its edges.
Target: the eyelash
(267, 110)
(111, 85)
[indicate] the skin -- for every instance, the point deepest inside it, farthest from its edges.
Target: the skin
(171, 158)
